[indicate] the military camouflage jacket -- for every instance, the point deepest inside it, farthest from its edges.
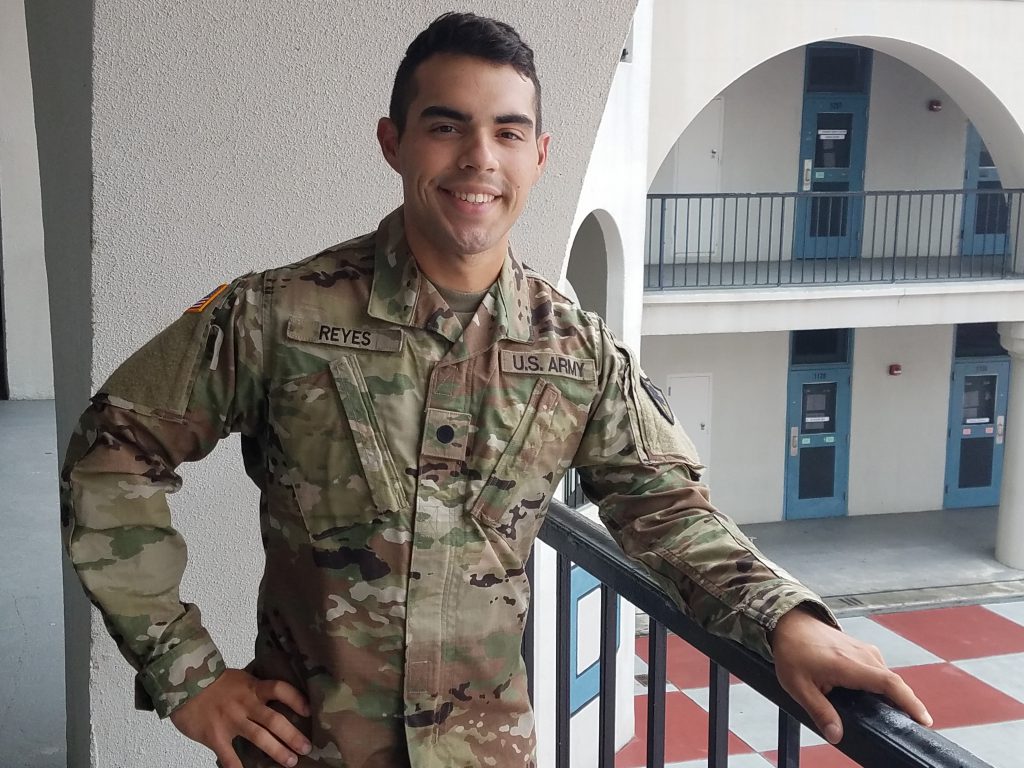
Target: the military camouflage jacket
(405, 466)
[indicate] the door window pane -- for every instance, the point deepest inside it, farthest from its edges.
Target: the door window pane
(976, 462)
(978, 340)
(817, 472)
(832, 69)
(833, 139)
(825, 345)
(979, 399)
(819, 409)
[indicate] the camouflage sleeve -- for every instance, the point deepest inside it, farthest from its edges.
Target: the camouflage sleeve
(643, 471)
(170, 402)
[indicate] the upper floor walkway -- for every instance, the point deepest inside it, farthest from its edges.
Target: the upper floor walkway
(771, 239)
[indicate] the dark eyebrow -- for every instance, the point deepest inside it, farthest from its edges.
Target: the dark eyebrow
(453, 114)
(514, 119)
(448, 112)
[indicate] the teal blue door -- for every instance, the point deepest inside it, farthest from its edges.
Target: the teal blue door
(986, 216)
(833, 142)
(977, 422)
(818, 442)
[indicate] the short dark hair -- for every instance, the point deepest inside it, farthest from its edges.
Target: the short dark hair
(461, 34)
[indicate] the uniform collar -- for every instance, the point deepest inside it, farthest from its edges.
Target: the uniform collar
(401, 293)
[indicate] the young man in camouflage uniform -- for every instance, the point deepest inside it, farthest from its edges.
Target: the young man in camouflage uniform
(408, 402)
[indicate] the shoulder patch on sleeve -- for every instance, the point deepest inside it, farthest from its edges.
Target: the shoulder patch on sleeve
(208, 299)
(660, 401)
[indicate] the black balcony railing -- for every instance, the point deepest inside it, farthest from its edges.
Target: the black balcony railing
(875, 734)
(572, 492)
(798, 238)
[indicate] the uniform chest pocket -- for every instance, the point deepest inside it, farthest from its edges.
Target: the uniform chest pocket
(340, 467)
(517, 492)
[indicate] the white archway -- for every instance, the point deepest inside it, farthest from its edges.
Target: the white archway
(596, 264)
(968, 67)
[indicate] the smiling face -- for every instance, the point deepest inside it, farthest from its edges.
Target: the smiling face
(468, 157)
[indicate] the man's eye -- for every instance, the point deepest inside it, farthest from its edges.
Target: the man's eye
(511, 135)
(443, 129)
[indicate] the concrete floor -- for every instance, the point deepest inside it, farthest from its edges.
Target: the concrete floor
(860, 564)
(31, 597)
(871, 563)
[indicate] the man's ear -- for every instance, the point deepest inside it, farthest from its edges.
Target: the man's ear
(387, 137)
(543, 144)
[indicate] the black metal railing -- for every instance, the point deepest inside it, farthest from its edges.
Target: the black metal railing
(798, 238)
(572, 492)
(875, 734)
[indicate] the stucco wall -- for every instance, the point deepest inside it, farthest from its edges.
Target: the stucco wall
(26, 317)
(898, 439)
(227, 136)
(748, 405)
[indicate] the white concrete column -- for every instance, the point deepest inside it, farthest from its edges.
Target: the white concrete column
(1010, 529)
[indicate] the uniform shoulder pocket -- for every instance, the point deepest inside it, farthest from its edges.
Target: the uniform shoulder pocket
(657, 432)
(158, 379)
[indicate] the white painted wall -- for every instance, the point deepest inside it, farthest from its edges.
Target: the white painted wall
(26, 319)
(615, 185)
(898, 439)
(225, 137)
(910, 147)
(748, 405)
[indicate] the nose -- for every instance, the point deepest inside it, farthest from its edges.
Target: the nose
(477, 152)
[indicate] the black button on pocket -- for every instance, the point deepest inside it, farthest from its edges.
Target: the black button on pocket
(445, 434)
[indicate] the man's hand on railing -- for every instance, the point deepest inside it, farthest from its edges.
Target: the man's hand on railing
(812, 658)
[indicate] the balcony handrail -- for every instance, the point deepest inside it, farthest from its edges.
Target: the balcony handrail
(836, 193)
(875, 733)
(831, 236)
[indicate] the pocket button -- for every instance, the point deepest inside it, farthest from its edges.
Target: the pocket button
(445, 434)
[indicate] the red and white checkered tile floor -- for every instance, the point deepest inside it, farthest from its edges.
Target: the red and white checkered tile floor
(966, 664)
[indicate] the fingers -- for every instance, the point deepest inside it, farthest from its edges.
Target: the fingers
(279, 726)
(824, 715)
(265, 741)
(887, 683)
(289, 695)
(236, 705)
(226, 756)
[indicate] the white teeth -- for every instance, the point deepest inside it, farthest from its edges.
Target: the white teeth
(473, 198)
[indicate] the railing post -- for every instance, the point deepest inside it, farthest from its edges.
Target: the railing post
(789, 741)
(609, 646)
(563, 582)
(656, 657)
(718, 717)
(661, 245)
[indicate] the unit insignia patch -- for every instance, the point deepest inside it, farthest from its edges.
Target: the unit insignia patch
(658, 398)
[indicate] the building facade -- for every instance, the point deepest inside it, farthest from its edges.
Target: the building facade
(831, 267)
